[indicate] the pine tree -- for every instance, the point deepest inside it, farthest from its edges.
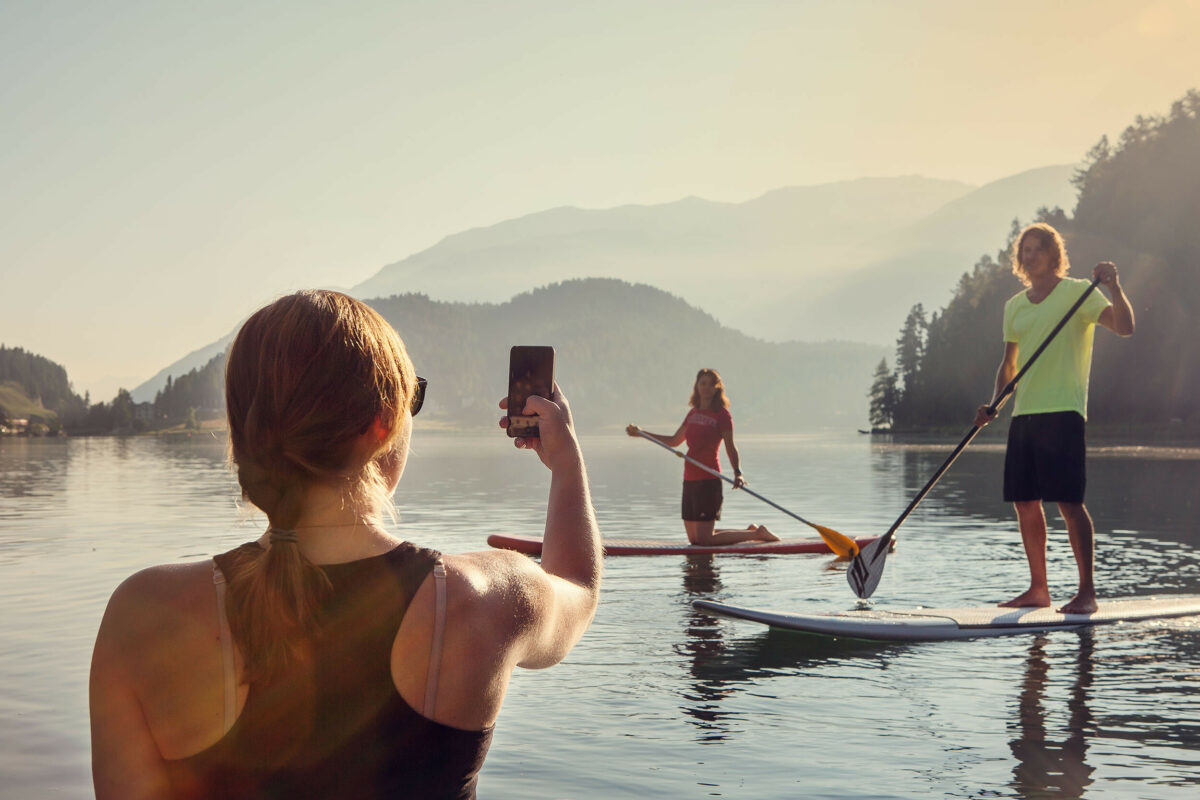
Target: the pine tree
(883, 396)
(910, 351)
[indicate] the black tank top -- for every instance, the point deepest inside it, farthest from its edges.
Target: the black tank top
(335, 726)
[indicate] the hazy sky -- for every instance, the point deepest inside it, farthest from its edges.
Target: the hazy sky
(165, 168)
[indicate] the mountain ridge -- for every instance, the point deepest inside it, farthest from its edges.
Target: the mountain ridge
(624, 351)
(773, 266)
(638, 242)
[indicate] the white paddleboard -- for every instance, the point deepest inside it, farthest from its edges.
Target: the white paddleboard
(933, 624)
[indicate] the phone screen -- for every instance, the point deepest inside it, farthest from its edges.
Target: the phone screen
(530, 372)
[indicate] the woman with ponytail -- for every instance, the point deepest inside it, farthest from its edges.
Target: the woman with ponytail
(330, 658)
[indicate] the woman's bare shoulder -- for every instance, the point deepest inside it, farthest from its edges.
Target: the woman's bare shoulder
(489, 572)
(164, 581)
(499, 583)
(158, 648)
(157, 600)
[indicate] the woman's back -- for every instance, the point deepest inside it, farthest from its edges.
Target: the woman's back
(336, 726)
(347, 722)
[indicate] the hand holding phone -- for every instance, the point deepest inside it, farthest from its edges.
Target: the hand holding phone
(530, 373)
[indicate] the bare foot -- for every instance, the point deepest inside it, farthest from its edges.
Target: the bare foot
(1082, 603)
(764, 535)
(1039, 598)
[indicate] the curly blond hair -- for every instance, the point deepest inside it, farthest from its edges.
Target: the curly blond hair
(1050, 239)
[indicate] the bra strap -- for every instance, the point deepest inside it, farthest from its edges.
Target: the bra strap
(226, 637)
(439, 629)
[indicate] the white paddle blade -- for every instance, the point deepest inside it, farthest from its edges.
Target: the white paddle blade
(867, 567)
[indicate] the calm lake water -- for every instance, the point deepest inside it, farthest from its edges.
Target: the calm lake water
(659, 700)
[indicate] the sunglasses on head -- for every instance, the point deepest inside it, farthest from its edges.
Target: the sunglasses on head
(419, 395)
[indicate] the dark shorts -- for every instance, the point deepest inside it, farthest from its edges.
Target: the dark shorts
(702, 500)
(1045, 458)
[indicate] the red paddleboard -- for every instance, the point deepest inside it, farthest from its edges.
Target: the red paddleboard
(532, 545)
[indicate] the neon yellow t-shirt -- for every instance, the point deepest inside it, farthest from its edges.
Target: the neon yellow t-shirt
(1058, 380)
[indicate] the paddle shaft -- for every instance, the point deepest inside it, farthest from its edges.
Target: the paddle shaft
(722, 476)
(995, 405)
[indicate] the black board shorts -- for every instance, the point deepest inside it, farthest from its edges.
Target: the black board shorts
(1045, 458)
(702, 500)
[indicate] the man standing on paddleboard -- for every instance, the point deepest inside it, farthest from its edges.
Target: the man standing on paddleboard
(1045, 460)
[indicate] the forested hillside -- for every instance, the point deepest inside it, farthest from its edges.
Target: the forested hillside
(198, 390)
(41, 382)
(1139, 206)
(625, 353)
(36, 388)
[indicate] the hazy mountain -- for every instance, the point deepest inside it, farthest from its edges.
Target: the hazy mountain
(703, 251)
(625, 353)
(842, 260)
(920, 263)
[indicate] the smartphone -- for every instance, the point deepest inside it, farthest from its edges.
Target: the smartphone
(530, 372)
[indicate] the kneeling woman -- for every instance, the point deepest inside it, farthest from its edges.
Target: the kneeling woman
(330, 658)
(706, 425)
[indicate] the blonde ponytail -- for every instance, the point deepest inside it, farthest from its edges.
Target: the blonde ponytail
(305, 378)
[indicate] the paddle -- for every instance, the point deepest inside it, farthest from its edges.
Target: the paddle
(867, 567)
(842, 545)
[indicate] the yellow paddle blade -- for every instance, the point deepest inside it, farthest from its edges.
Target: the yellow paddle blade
(842, 545)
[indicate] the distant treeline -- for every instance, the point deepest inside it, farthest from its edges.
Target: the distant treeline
(1139, 206)
(36, 389)
(199, 390)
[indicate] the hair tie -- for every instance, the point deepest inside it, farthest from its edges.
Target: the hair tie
(281, 535)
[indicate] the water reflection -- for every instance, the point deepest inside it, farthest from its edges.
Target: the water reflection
(30, 468)
(204, 450)
(1149, 680)
(719, 668)
(1045, 768)
(703, 644)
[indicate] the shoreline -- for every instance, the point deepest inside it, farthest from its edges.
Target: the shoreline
(1103, 441)
(1174, 434)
